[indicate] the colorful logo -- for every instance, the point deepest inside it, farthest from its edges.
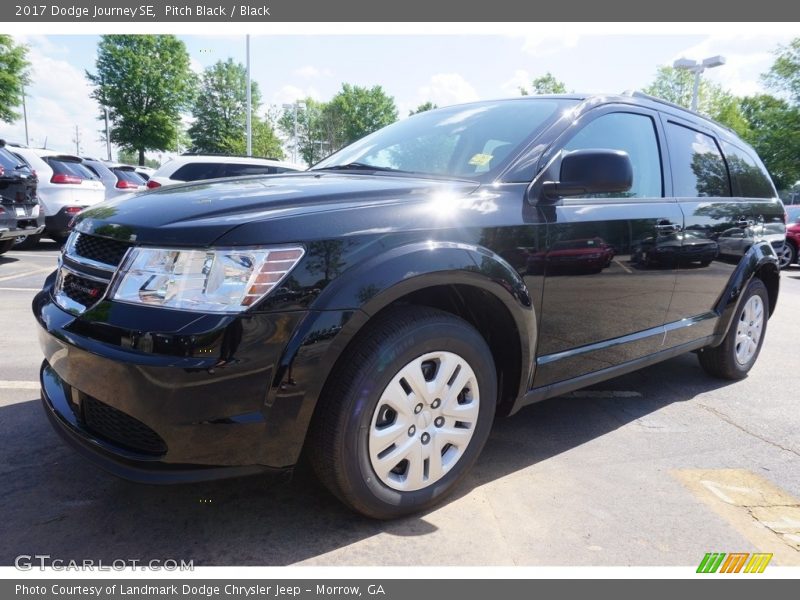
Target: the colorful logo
(735, 562)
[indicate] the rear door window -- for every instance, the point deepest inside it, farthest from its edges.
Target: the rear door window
(197, 171)
(748, 178)
(698, 169)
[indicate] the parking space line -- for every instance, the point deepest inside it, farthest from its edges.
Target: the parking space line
(767, 516)
(19, 289)
(26, 273)
(19, 385)
(29, 255)
(625, 268)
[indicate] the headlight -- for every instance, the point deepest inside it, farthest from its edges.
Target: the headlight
(217, 280)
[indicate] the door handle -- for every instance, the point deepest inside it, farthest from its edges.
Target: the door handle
(668, 227)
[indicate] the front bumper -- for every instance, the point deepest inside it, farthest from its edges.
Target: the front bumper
(187, 403)
(115, 460)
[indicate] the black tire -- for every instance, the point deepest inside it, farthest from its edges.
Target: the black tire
(721, 361)
(6, 245)
(59, 239)
(28, 241)
(793, 253)
(338, 440)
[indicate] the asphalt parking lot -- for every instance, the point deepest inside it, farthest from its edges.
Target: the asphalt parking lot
(657, 467)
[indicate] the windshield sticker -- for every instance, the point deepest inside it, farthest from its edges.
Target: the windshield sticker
(480, 160)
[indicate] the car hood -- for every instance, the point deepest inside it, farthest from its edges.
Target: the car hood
(197, 214)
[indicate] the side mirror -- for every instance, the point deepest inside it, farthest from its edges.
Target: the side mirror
(585, 172)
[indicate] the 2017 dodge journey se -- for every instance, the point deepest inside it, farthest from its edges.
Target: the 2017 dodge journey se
(378, 310)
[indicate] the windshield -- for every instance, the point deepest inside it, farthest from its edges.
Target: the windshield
(472, 141)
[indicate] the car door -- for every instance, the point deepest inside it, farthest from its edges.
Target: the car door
(726, 198)
(608, 274)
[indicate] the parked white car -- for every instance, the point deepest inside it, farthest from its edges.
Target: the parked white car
(66, 187)
(117, 178)
(194, 167)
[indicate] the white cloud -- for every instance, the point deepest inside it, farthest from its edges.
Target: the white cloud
(552, 40)
(311, 72)
(445, 89)
(288, 94)
(520, 78)
(195, 65)
(57, 101)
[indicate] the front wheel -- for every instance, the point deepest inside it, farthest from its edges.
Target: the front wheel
(738, 352)
(407, 414)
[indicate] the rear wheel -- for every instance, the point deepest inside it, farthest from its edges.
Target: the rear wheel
(787, 256)
(739, 350)
(407, 414)
(6, 245)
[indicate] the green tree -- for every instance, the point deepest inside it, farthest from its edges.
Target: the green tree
(677, 86)
(265, 141)
(14, 75)
(545, 84)
(220, 109)
(129, 157)
(784, 75)
(774, 132)
(425, 106)
(355, 112)
(312, 139)
(146, 82)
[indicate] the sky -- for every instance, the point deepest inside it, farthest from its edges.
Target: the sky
(446, 69)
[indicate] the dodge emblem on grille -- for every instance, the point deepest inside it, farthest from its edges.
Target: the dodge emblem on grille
(90, 291)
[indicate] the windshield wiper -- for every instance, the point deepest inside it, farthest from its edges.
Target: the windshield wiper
(359, 166)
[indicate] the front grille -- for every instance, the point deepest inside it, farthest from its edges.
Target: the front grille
(101, 249)
(119, 428)
(85, 292)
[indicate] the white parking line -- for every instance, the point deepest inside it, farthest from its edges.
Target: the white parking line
(26, 273)
(19, 385)
(627, 270)
(32, 255)
(18, 289)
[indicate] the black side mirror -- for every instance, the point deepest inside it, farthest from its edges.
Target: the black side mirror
(591, 171)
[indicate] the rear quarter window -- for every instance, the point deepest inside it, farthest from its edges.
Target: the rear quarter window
(234, 170)
(698, 169)
(748, 178)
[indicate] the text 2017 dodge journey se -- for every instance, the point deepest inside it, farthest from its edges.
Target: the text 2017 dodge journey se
(380, 309)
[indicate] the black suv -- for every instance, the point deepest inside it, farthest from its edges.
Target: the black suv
(20, 213)
(380, 309)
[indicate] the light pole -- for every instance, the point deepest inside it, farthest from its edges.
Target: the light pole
(249, 104)
(297, 104)
(25, 114)
(108, 137)
(697, 67)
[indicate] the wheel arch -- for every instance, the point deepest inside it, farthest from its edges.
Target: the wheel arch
(759, 262)
(469, 282)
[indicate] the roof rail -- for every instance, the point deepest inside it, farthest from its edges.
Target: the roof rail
(638, 94)
(226, 155)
